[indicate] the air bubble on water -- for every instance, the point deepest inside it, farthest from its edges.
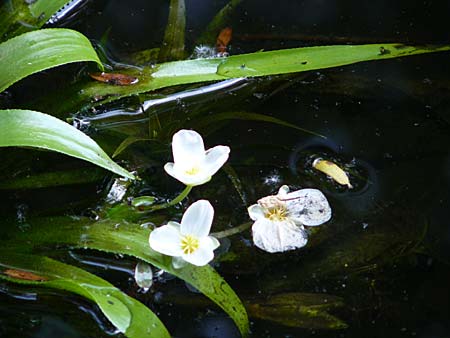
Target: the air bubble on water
(143, 275)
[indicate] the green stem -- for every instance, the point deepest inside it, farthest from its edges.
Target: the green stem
(175, 201)
(232, 231)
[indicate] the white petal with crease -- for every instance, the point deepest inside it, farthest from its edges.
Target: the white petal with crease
(167, 239)
(197, 219)
(278, 236)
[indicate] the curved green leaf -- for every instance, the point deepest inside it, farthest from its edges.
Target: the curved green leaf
(27, 128)
(35, 51)
(244, 65)
(19, 16)
(128, 315)
(130, 239)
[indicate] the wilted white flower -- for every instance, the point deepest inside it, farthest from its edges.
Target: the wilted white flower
(189, 240)
(280, 219)
(192, 164)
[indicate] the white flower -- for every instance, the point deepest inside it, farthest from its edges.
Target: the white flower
(188, 240)
(279, 219)
(192, 164)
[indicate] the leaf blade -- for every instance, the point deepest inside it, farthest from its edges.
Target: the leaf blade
(36, 51)
(27, 128)
(127, 314)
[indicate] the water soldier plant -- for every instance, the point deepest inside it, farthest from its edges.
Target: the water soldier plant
(184, 249)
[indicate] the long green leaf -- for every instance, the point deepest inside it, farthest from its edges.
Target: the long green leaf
(26, 128)
(130, 239)
(128, 315)
(244, 65)
(35, 51)
(20, 16)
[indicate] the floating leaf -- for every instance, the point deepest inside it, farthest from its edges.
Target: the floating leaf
(127, 314)
(36, 51)
(245, 65)
(26, 128)
(333, 170)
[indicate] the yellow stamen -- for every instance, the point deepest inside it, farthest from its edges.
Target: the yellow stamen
(277, 213)
(189, 244)
(193, 171)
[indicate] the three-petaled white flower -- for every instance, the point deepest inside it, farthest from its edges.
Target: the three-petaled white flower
(189, 240)
(192, 164)
(280, 219)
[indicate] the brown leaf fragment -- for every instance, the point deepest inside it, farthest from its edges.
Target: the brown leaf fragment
(223, 39)
(115, 78)
(24, 275)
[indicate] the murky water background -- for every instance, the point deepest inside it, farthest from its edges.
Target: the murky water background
(386, 249)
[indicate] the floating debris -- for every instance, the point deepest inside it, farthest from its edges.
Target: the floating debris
(24, 275)
(115, 78)
(332, 170)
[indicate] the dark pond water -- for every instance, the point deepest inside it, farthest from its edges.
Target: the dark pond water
(386, 250)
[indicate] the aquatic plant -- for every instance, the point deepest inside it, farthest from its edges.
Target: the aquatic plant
(280, 220)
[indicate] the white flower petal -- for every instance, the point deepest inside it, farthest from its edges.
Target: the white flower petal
(214, 242)
(197, 219)
(178, 263)
(209, 242)
(167, 239)
(215, 159)
(200, 257)
(255, 212)
(283, 191)
(187, 148)
(278, 236)
(308, 207)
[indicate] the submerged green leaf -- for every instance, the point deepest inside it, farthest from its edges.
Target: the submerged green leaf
(35, 51)
(53, 179)
(26, 128)
(214, 118)
(19, 16)
(127, 314)
(131, 239)
(173, 44)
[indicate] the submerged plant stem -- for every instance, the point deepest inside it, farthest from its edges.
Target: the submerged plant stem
(232, 231)
(175, 201)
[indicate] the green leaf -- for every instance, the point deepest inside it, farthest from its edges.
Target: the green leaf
(17, 17)
(130, 239)
(26, 128)
(128, 315)
(244, 65)
(173, 45)
(35, 51)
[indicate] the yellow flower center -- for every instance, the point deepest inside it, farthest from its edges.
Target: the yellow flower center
(189, 244)
(277, 213)
(193, 171)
